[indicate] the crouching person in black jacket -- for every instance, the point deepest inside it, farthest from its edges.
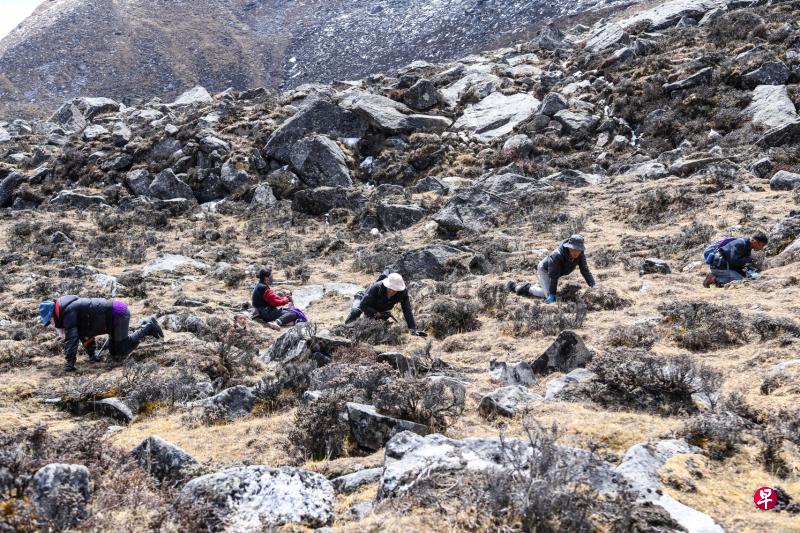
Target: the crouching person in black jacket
(80, 320)
(380, 298)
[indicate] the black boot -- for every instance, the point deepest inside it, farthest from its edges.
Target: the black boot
(70, 366)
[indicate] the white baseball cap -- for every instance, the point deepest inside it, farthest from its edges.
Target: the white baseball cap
(395, 282)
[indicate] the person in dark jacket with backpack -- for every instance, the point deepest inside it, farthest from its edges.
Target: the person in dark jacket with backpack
(730, 259)
(80, 320)
(268, 304)
(381, 297)
(569, 255)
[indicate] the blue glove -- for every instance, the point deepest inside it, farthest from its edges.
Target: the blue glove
(550, 298)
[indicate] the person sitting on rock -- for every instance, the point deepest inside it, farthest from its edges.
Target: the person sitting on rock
(561, 262)
(380, 298)
(730, 259)
(268, 304)
(82, 319)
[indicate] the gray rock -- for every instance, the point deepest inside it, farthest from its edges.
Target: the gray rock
(284, 183)
(321, 200)
(761, 168)
(576, 121)
(195, 95)
(263, 198)
(320, 117)
(93, 106)
(320, 162)
(701, 77)
(70, 117)
(4, 135)
(552, 104)
(653, 265)
(8, 186)
(359, 511)
(518, 147)
(234, 179)
(649, 170)
(212, 143)
(395, 217)
(229, 404)
(505, 401)
(667, 14)
(94, 131)
(389, 116)
(481, 207)
(567, 353)
(476, 84)
(422, 95)
(121, 135)
(557, 388)
(770, 73)
(162, 460)
(779, 135)
(163, 149)
(138, 182)
(496, 115)
(372, 430)
(167, 186)
(352, 482)
(112, 408)
(606, 36)
(771, 107)
(431, 184)
(425, 263)
(60, 493)
(573, 178)
(117, 163)
(641, 466)
(784, 181)
(512, 374)
(260, 498)
(74, 200)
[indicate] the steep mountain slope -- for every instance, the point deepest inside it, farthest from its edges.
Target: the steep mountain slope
(143, 48)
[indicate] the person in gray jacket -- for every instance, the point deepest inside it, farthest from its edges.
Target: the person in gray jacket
(569, 255)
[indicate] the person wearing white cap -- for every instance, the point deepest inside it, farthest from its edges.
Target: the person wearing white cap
(381, 297)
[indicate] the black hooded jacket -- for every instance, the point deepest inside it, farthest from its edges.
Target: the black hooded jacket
(82, 318)
(377, 301)
(559, 264)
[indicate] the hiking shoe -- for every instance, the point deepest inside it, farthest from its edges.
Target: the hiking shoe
(511, 286)
(274, 325)
(95, 359)
(70, 367)
(153, 328)
(709, 281)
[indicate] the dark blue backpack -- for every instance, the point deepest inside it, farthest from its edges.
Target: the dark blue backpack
(708, 253)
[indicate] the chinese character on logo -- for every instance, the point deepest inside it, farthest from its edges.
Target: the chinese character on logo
(764, 498)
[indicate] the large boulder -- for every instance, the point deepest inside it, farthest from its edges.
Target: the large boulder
(425, 263)
(162, 460)
(60, 493)
(167, 186)
(506, 400)
(234, 179)
(195, 95)
(576, 121)
(669, 13)
(352, 482)
(475, 84)
(496, 115)
(422, 95)
(8, 185)
(372, 430)
(320, 117)
(552, 104)
(321, 200)
(395, 217)
(138, 181)
(77, 113)
(787, 132)
(263, 198)
(770, 73)
(701, 77)
(386, 115)
(483, 206)
(573, 178)
(229, 404)
(320, 162)
(784, 181)
(260, 498)
(75, 200)
(771, 107)
(567, 353)
(558, 388)
(512, 374)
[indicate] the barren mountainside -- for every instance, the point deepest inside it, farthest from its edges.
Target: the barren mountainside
(129, 49)
(640, 396)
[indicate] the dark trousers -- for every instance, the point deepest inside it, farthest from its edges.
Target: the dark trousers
(356, 312)
(120, 343)
(276, 314)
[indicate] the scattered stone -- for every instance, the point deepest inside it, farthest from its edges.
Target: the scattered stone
(162, 460)
(395, 217)
(258, 498)
(321, 200)
(552, 104)
(172, 263)
(117, 163)
(505, 401)
(518, 147)
(195, 95)
(653, 265)
(73, 200)
(512, 374)
(234, 179)
(573, 178)
(121, 135)
(771, 107)
(60, 493)
(576, 121)
(425, 263)
(263, 198)
(229, 404)
(780, 135)
(784, 181)
(496, 115)
(422, 95)
(94, 131)
(770, 73)
(352, 482)
(389, 116)
(320, 162)
(761, 168)
(167, 186)
(8, 186)
(372, 430)
(567, 353)
(700, 77)
(558, 388)
(112, 408)
(431, 184)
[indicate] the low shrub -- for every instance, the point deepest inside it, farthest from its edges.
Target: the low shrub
(639, 335)
(718, 434)
(372, 332)
(320, 428)
(452, 315)
(698, 325)
(548, 319)
(436, 403)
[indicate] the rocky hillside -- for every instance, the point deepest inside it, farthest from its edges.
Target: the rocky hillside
(647, 403)
(137, 49)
